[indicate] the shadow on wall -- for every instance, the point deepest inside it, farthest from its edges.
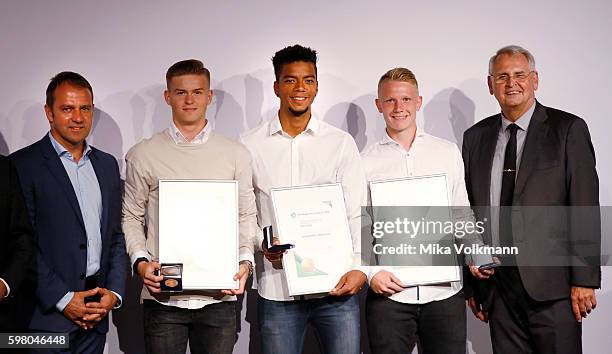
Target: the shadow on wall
(106, 135)
(229, 116)
(35, 124)
(448, 114)
(592, 341)
(5, 128)
(161, 114)
(253, 101)
(139, 115)
(4, 150)
(132, 113)
(352, 117)
(226, 114)
(478, 339)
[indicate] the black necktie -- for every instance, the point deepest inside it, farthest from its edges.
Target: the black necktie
(507, 189)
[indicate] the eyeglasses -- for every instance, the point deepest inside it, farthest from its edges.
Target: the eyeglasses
(503, 78)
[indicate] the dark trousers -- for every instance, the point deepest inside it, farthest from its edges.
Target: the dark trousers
(211, 329)
(519, 324)
(81, 341)
(394, 327)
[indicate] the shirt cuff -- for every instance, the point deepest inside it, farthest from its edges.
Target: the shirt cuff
(357, 265)
(8, 288)
(139, 254)
(61, 305)
(119, 300)
(246, 256)
(372, 271)
(360, 268)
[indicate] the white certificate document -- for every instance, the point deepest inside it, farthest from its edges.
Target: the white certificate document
(198, 226)
(314, 219)
(422, 191)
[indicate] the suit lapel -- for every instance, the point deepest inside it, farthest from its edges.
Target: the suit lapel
(536, 132)
(487, 152)
(104, 190)
(55, 166)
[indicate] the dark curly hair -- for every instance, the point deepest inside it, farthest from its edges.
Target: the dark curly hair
(292, 54)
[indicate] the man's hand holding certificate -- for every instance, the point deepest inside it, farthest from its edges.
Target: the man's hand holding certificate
(313, 218)
(198, 228)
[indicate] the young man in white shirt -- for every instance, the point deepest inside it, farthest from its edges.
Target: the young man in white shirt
(292, 150)
(188, 149)
(397, 315)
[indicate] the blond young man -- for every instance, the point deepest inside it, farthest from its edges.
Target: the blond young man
(398, 315)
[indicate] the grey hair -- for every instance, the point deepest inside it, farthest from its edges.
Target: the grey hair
(512, 50)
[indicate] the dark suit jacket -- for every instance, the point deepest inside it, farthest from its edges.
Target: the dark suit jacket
(60, 232)
(16, 250)
(557, 169)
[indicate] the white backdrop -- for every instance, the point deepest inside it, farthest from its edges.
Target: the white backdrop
(124, 48)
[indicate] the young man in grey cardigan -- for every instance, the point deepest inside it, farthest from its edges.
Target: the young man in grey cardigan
(188, 149)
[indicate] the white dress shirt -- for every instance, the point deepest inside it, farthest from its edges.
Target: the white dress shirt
(200, 138)
(321, 154)
(428, 155)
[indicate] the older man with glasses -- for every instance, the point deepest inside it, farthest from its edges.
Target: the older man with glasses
(521, 159)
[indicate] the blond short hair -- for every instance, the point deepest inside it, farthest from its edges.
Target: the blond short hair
(398, 74)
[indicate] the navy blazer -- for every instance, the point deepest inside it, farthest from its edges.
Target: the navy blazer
(60, 231)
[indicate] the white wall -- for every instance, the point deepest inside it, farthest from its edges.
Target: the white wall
(124, 49)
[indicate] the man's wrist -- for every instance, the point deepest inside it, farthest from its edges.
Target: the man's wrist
(119, 300)
(64, 301)
(248, 264)
(6, 290)
(137, 262)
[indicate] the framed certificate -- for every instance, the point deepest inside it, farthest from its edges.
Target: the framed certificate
(430, 194)
(429, 190)
(198, 227)
(426, 275)
(314, 219)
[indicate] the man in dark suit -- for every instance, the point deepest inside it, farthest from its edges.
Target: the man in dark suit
(16, 251)
(73, 196)
(532, 155)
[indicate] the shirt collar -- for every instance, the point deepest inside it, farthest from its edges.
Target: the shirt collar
(522, 121)
(387, 140)
(61, 150)
(200, 138)
(313, 125)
